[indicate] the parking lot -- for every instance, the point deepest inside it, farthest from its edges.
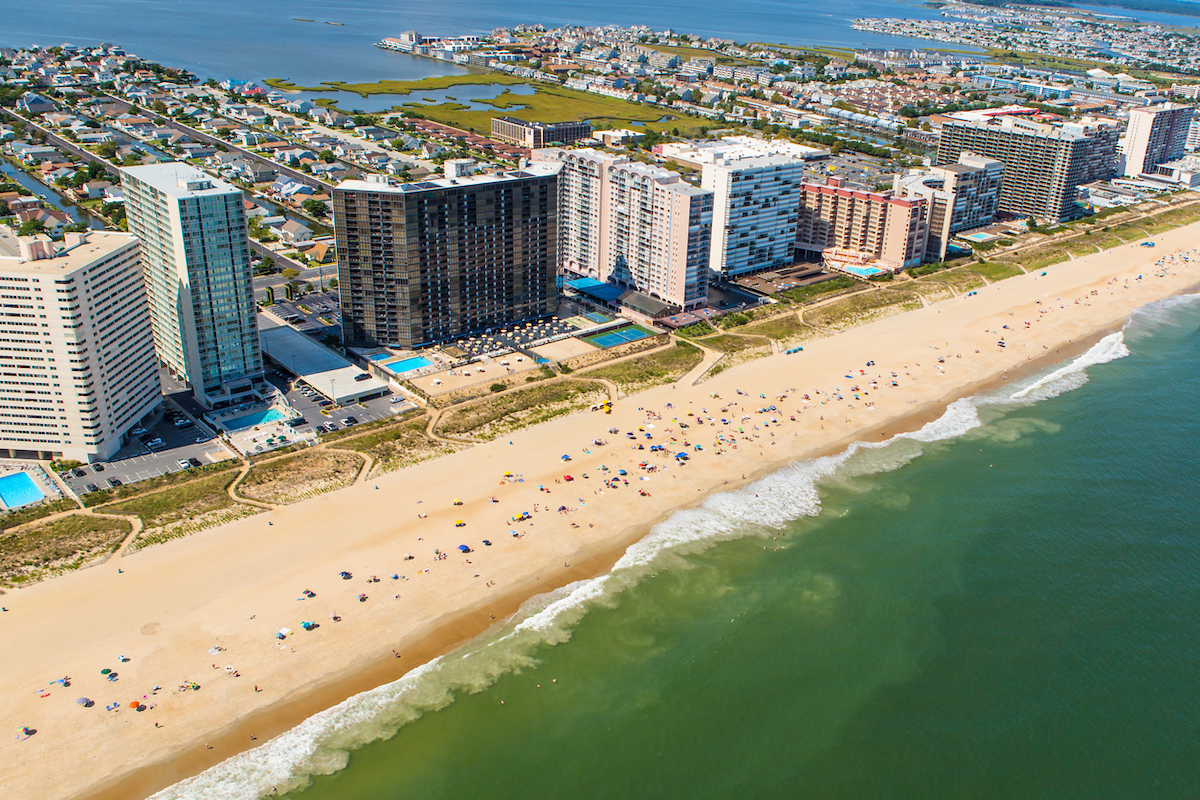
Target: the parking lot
(317, 313)
(137, 462)
(314, 414)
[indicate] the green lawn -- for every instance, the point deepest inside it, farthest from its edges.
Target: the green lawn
(701, 52)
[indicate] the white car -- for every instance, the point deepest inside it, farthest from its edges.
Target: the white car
(183, 464)
(138, 431)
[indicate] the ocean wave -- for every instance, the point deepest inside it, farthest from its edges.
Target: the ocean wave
(322, 744)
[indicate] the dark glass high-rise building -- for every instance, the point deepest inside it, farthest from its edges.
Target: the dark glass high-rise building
(427, 262)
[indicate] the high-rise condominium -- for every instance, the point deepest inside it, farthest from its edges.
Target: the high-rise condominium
(1157, 134)
(196, 261)
(428, 262)
(633, 224)
(1043, 164)
(76, 349)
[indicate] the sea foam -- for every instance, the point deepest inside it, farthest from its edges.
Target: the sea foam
(322, 744)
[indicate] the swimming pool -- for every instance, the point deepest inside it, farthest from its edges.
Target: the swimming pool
(408, 364)
(250, 420)
(620, 336)
(379, 356)
(18, 489)
(864, 272)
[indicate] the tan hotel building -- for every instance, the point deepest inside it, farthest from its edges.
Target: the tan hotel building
(857, 227)
(77, 362)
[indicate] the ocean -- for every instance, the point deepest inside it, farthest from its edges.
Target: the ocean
(235, 39)
(1003, 604)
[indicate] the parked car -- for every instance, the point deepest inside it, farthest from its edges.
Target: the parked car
(195, 462)
(201, 439)
(348, 421)
(98, 467)
(138, 431)
(78, 473)
(184, 423)
(183, 464)
(114, 483)
(91, 487)
(153, 444)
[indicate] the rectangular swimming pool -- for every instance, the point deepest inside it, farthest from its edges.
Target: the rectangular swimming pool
(250, 420)
(407, 364)
(18, 489)
(864, 272)
(620, 336)
(379, 356)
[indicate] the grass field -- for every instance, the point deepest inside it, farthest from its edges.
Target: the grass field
(519, 409)
(700, 52)
(653, 369)
(63, 544)
(1038, 258)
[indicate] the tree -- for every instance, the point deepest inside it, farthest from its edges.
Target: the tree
(107, 149)
(223, 132)
(332, 283)
(31, 227)
(160, 107)
(314, 207)
(290, 274)
(327, 156)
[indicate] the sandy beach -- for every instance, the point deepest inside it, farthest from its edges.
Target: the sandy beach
(157, 617)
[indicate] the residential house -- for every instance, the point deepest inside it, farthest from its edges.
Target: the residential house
(94, 190)
(32, 103)
(299, 106)
(52, 218)
(292, 232)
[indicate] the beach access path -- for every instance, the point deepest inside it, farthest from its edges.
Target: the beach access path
(166, 608)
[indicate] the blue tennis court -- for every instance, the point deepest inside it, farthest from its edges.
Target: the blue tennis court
(408, 364)
(620, 336)
(18, 489)
(596, 316)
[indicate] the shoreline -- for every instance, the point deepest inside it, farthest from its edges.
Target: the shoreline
(470, 624)
(201, 585)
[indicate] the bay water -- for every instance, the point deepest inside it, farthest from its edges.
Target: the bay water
(294, 39)
(1004, 604)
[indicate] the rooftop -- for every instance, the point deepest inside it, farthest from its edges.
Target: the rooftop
(177, 179)
(41, 254)
(534, 170)
(318, 366)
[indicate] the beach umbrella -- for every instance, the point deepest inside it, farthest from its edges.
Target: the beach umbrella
(134, 704)
(105, 671)
(566, 457)
(457, 502)
(83, 701)
(462, 548)
(458, 523)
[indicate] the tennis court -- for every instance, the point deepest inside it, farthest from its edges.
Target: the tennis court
(629, 333)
